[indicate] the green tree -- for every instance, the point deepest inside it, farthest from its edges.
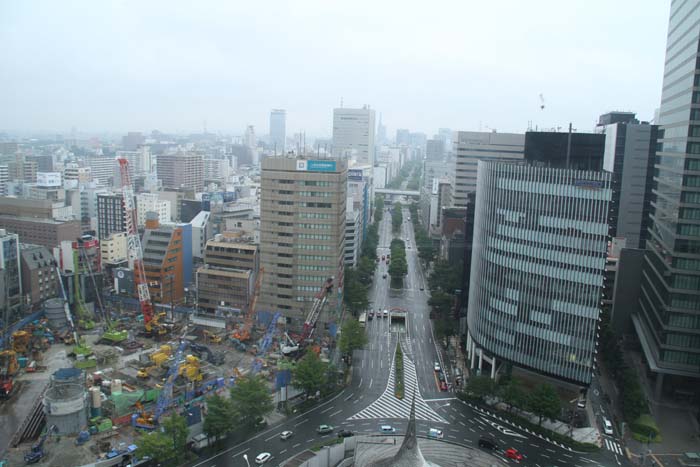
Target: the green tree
(251, 399)
(310, 373)
(441, 303)
(632, 397)
(157, 446)
(167, 445)
(445, 327)
(219, 420)
(445, 277)
(396, 218)
(513, 394)
(480, 386)
(352, 337)
(544, 402)
(356, 295)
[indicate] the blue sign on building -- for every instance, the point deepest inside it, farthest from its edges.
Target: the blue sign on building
(355, 174)
(320, 166)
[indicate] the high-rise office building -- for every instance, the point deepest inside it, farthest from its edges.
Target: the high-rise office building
(630, 149)
(434, 149)
(537, 269)
(668, 321)
(353, 134)
(278, 130)
(102, 169)
(572, 150)
(181, 170)
(470, 147)
(302, 231)
(111, 217)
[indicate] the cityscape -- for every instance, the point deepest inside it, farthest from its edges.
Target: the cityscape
(366, 250)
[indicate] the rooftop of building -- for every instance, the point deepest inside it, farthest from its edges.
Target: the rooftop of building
(226, 272)
(37, 220)
(36, 256)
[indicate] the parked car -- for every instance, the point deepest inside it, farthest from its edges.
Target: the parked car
(345, 434)
(441, 376)
(512, 453)
(443, 386)
(262, 458)
(387, 429)
(286, 434)
(488, 443)
(607, 427)
(436, 366)
(324, 429)
(435, 433)
(370, 315)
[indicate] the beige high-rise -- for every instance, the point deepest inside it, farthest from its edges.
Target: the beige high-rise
(302, 230)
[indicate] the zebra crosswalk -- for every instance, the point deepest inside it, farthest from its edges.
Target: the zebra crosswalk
(388, 406)
(613, 446)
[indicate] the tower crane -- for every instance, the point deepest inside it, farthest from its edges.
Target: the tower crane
(243, 333)
(316, 307)
(135, 253)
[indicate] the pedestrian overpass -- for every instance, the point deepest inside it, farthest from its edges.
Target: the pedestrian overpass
(394, 192)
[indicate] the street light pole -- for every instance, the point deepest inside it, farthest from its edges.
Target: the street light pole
(245, 456)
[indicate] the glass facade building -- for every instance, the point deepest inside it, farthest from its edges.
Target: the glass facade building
(537, 268)
(668, 321)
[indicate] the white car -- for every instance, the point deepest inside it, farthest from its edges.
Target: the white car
(435, 433)
(607, 427)
(386, 313)
(387, 429)
(286, 434)
(262, 458)
(436, 366)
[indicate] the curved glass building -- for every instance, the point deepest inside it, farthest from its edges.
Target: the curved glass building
(538, 261)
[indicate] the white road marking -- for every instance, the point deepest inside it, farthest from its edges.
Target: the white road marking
(242, 452)
(335, 413)
(273, 436)
(303, 421)
(329, 408)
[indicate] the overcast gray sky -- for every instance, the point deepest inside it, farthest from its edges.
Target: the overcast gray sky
(464, 64)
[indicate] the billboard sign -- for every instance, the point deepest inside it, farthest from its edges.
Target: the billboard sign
(355, 174)
(316, 166)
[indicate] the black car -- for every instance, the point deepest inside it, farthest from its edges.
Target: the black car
(488, 443)
(345, 434)
(441, 376)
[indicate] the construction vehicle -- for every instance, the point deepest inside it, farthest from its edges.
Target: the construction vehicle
(37, 453)
(211, 357)
(316, 307)
(135, 253)
(142, 419)
(290, 349)
(190, 369)
(211, 337)
(85, 322)
(242, 334)
(20, 341)
(161, 355)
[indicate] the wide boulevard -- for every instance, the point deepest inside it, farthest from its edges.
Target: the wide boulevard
(368, 402)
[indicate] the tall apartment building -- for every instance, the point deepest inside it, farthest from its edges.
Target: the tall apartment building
(353, 134)
(163, 261)
(302, 230)
(150, 202)
(39, 277)
(181, 170)
(470, 147)
(111, 216)
(537, 268)
(75, 172)
(102, 169)
(228, 276)
(668, 321)
(353, 234)
(278, 130)
(4, 178)
(11, 293)
(630, 149)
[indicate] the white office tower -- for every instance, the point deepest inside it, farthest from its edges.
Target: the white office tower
(353, 134)
(278, 130)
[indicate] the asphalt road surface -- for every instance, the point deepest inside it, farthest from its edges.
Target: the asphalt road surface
(369, 403)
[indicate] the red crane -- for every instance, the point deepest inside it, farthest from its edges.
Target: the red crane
(243, 333)
(135, 253)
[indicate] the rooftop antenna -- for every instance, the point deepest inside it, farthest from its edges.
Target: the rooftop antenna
(541, 102)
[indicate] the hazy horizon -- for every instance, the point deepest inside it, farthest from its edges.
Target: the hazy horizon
(126, 66)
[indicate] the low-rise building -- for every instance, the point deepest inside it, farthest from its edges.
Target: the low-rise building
(45, 232)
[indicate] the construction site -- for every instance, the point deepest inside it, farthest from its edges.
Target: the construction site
(82, 378)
